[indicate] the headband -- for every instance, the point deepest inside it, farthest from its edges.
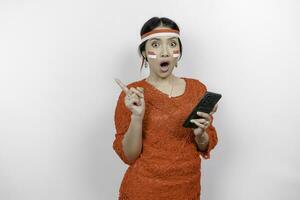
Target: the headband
(159, 32)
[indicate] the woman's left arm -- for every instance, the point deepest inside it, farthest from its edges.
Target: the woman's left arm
(202, 141)
(205, 135)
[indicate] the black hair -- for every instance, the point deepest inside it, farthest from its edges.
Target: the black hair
(152, 24)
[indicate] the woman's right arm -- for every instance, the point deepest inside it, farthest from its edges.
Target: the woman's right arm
(132, 141)
(129, 116)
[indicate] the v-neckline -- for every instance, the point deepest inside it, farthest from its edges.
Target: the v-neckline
(166, 95)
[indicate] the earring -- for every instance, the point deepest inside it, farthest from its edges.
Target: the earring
(146, 64)
(177, 62)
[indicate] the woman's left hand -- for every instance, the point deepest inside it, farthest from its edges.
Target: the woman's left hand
(204, 122)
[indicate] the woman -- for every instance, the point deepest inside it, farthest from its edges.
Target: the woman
(163, 156)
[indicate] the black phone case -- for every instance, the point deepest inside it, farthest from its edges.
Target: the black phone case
(206, 104)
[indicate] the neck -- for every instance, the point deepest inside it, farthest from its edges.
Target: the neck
(161, 80)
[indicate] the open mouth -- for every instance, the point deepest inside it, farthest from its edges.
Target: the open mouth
(164, 66)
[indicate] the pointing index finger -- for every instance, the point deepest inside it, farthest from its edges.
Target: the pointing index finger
(122, 85)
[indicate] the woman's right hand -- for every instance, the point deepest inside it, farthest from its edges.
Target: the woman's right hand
(134, 99)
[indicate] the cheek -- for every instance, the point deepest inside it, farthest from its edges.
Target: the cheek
(151, 54)
(176, 53)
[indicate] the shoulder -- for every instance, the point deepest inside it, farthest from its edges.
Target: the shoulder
(196, 83)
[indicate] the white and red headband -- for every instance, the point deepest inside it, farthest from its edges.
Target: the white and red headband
(159, 32)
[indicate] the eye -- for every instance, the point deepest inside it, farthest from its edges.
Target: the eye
(154, 44)
(173, 44)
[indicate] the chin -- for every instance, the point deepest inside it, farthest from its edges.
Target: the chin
(165, 74)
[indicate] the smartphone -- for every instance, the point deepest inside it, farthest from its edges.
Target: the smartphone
(205, 104)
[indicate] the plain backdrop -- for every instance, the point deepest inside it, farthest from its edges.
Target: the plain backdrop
(57, 94)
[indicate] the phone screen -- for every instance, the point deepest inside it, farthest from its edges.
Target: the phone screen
(205, 104)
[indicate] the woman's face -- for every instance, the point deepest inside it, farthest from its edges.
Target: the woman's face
(162, 53)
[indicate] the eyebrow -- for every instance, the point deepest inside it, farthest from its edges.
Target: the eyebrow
(160, 39)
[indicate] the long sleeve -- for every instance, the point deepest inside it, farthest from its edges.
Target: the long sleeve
(213, 140)
(211, 131)
(122, 121)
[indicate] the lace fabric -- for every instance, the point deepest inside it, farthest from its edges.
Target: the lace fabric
(169, 164)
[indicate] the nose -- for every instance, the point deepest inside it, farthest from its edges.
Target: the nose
(165, 52)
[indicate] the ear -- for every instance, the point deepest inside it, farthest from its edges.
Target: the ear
(144, 54)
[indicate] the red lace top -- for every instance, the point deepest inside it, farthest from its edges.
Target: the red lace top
(169, 164)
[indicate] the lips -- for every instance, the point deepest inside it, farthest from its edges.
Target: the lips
(164, 66)
(164, 63)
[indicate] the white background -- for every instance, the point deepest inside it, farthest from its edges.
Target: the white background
(57, 93)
